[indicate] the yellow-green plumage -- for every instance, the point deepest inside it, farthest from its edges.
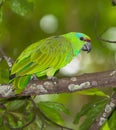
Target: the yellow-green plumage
(45, 57)
(53, 52)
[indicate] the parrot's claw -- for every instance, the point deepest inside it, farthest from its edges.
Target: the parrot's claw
(51, 78)
(34, 77)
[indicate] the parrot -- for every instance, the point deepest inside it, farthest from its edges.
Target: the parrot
(46, 57)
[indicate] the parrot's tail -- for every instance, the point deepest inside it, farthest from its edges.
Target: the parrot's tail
(19, 83)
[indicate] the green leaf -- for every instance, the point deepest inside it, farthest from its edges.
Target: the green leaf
(21, 7)
(19, 112)
(52, 109)
(56, 106)
(93, 91)
(105, 126)
(91, 111)
(112, 121)
(15, 105)
(13, 120)
(21, 83)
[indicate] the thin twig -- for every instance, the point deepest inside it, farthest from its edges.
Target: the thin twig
(8, 60)
(2, 2)
(100, 120)
(99, 37)
(46, 118)
(25, 125)
(105, 40)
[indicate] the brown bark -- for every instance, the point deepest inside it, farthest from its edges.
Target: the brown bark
(63, 85)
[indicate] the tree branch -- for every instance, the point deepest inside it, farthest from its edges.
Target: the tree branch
(63, 85)
(100, 120)
(8, 60)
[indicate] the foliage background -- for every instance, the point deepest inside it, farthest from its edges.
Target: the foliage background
(20, 26)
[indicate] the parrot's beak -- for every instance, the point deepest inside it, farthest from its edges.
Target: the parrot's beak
(87, 47)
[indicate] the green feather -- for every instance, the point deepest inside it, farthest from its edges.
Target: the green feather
(51, 52)
(45, 57)
(21, 82)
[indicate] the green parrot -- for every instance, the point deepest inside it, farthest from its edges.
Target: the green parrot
(47, 56)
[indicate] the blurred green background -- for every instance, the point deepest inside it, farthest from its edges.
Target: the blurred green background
(23, 22)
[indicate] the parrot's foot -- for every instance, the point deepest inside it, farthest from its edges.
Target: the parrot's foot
(34, 77)
(51, 78)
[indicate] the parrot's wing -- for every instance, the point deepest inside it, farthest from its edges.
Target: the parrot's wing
(53, 52)
(28, 51)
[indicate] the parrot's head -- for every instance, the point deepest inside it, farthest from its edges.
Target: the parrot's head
(79, 41)
(85, 41)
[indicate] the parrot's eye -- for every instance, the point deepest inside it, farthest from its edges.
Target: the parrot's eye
(81, 38)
